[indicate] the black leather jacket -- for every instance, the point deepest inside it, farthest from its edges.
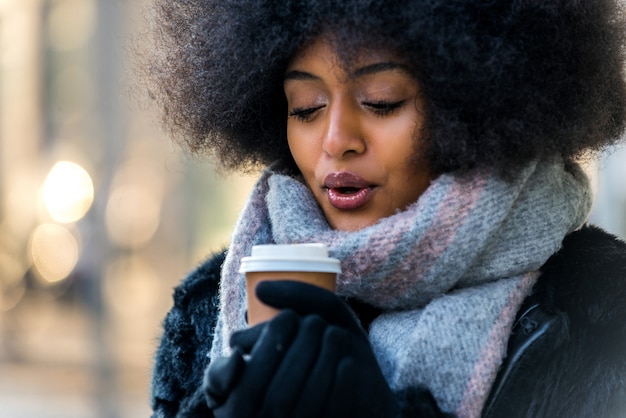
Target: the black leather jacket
(567, 351)
(566, 355)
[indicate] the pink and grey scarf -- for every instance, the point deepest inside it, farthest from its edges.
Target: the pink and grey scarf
(449, 272)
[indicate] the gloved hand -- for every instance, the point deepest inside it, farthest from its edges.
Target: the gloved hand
(311, 360)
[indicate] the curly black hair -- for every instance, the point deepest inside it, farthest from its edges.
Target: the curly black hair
(505, 81)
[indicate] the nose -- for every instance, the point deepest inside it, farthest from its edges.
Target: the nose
(344, 134)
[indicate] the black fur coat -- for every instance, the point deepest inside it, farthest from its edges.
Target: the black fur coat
(567, 351)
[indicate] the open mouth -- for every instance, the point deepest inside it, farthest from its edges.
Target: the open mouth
(349, 198)
(348, 191)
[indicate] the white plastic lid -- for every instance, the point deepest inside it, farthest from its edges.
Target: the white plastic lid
(292, 257)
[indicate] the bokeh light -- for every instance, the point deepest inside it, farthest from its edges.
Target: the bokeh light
(133, 211)
(68, 192)
(132, 216)
(12, 285)
(54, 251)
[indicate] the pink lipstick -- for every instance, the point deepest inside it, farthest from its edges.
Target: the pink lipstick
(348, 191)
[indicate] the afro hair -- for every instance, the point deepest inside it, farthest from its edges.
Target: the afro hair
(505, 81)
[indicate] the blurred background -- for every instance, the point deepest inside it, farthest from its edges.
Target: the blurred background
(101, 215)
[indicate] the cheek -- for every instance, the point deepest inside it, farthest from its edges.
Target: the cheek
(302, 148)
(294, 142)
(395, 142)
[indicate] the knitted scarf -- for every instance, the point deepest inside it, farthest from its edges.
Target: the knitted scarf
(449, 272)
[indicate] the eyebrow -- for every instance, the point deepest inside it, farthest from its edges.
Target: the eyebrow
(299, 75)
(380, 67)
(359, 72)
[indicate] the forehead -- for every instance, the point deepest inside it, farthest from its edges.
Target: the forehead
(323, 52)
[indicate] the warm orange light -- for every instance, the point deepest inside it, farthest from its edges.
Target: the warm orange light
(54, 252)
(68, 192)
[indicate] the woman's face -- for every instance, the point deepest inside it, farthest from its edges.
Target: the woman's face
(353, 131)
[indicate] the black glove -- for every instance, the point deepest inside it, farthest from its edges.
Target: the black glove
(312, 360)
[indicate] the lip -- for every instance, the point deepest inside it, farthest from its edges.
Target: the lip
(360, 193)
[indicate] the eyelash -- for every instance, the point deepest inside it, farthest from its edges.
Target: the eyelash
(304, 114)
(384, 108)
(380, 108)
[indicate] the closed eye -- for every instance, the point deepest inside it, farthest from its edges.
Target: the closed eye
(304, 114)
(383, 107)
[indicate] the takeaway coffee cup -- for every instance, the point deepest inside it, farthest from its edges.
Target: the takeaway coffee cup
(308, 263)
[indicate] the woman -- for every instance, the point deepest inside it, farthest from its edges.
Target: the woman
(431, 145)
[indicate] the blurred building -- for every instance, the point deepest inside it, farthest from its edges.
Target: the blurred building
(101, 216)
